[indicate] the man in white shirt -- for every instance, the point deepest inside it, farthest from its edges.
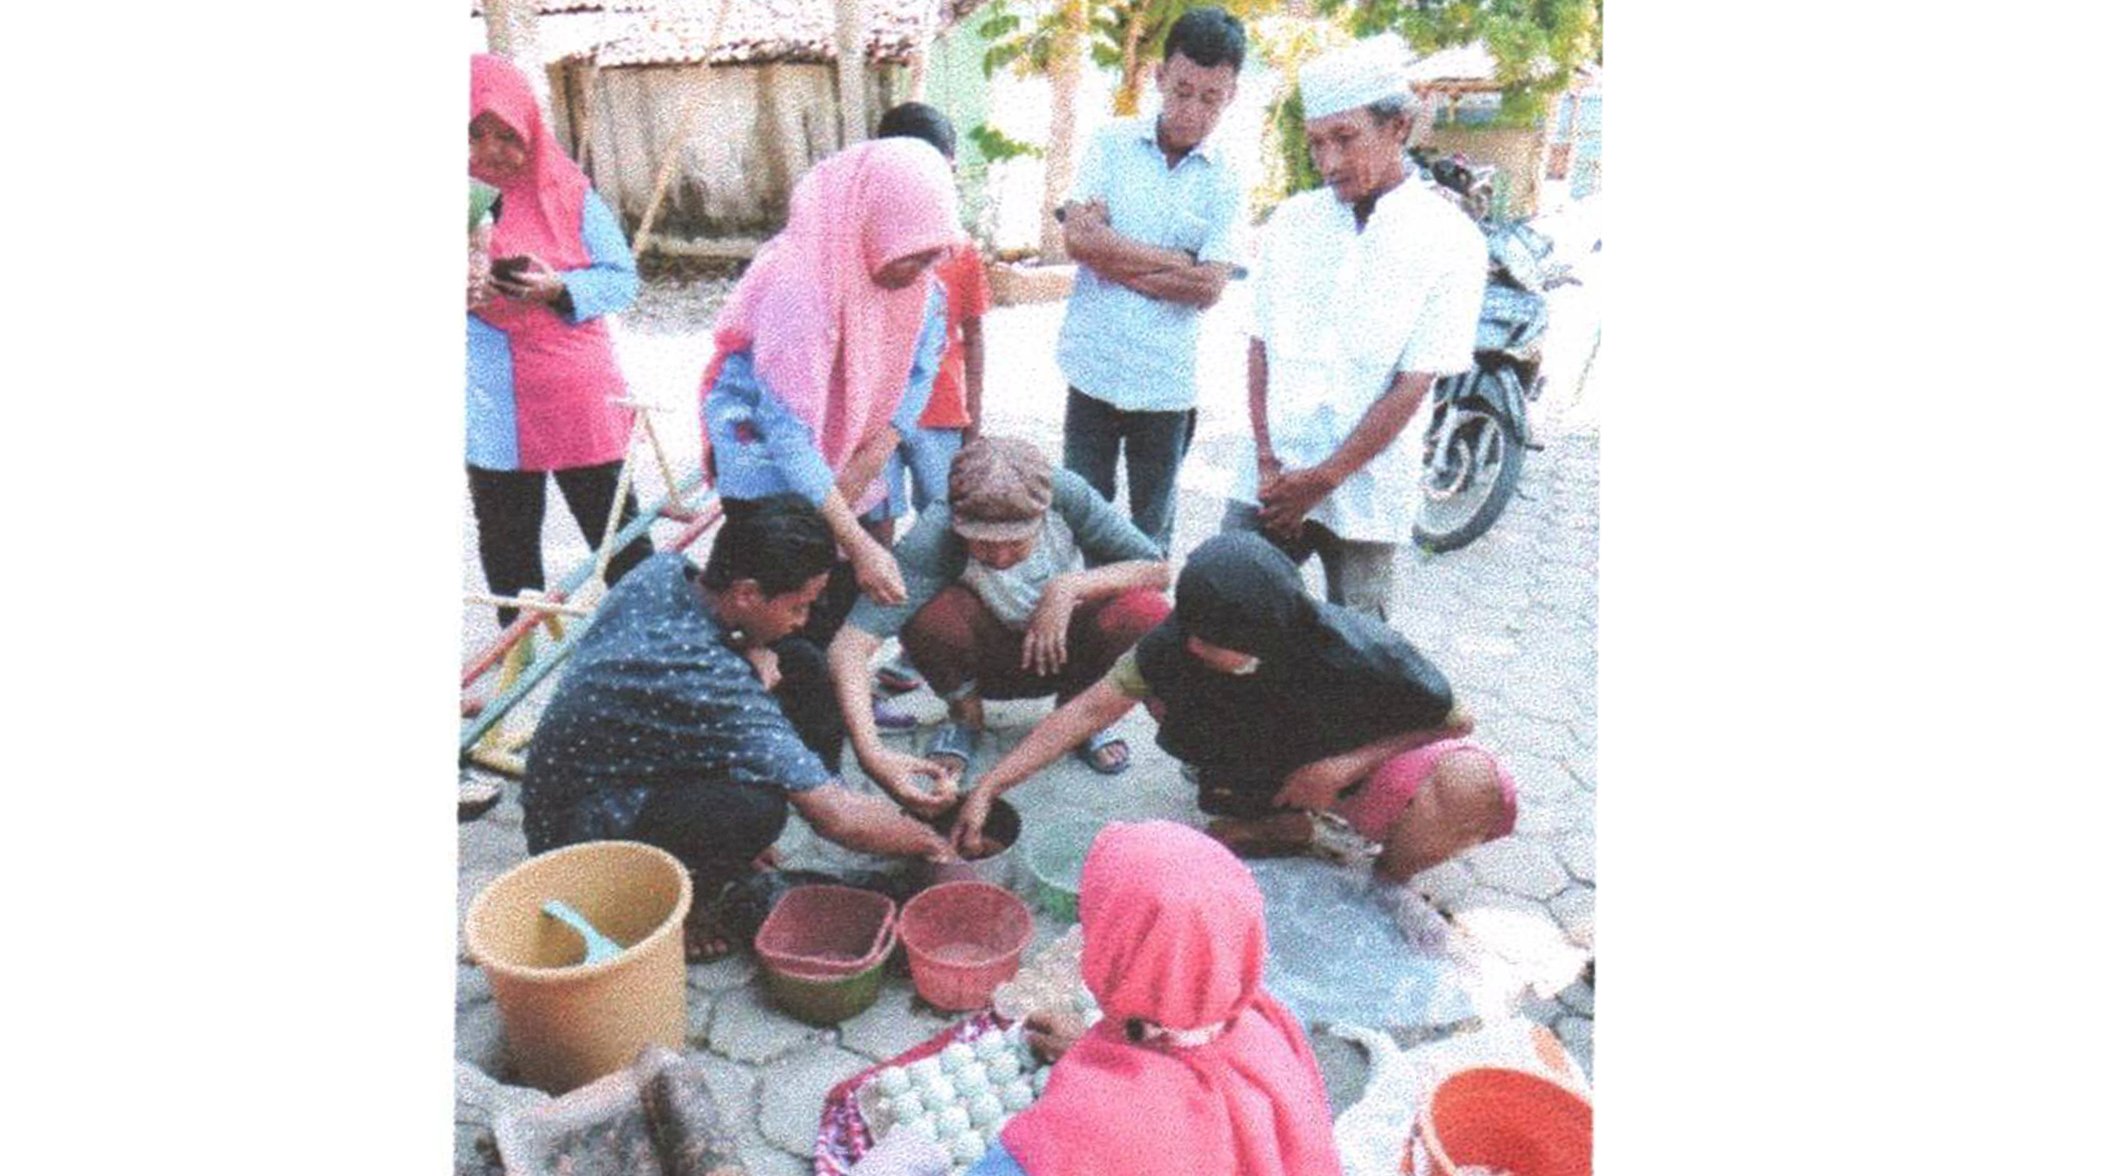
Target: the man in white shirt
(1366, 290)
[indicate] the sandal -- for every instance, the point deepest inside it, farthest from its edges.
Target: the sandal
(953, 741)
(898, 677)
(888, 717)
(1089, 752)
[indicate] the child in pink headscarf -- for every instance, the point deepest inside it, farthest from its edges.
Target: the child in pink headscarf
(1194, 1068)
(827, 350)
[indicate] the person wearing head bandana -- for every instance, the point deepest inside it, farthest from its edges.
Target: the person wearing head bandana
(1285, 706)
(1366, 289)
(540, 374)
(1193, 1067)
(827, 350)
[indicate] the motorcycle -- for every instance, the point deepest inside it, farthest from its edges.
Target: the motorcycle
(1476, 423)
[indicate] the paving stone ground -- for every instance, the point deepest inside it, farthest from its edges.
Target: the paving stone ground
(1511, 620)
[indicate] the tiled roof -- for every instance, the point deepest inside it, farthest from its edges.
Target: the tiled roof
(678, 32)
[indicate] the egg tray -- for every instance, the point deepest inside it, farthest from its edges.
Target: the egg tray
(997, 1068)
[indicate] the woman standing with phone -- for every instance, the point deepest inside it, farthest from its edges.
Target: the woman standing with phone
(540, 374)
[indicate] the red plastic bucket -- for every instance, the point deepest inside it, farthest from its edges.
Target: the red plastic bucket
(964, 939)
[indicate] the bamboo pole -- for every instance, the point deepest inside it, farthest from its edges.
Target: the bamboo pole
(538, 604)
(686, 130)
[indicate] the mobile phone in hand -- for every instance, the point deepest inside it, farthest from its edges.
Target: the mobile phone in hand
(511, 269)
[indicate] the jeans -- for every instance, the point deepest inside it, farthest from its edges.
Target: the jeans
(509, 507)
(1360, 576)
(1151, 443)
(923, 459)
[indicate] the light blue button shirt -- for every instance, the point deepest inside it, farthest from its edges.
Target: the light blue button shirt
(762, 448)
(1134, 352)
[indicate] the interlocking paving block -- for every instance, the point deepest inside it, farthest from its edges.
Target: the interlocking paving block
(1524, 935)
(896, 1024)
(1575, 911)
(720, 975)
(746, 1027)
(793, 1089)
(1577, 852)
(761, 1160)
(1540, 779)
(733, 1088)
(1578, 1035)
(1519, 865)
(479, 1037)
(1580, 998)
(472, 985)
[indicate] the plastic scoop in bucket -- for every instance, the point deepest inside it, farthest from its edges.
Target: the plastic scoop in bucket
(596, 947)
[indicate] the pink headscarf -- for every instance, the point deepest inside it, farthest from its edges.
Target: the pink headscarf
(551, 188)
(1174, 938)
(833, 345)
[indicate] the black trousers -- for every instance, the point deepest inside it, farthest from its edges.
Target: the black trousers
(510, 506)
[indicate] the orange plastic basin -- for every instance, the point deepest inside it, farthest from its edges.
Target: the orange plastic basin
(1508, 1120)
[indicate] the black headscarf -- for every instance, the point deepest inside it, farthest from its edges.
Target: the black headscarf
(1330, 680)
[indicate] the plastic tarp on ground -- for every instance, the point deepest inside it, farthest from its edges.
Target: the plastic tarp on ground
(1344, 947)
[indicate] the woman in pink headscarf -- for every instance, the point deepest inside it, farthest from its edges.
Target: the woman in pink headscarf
(1194, 1068)
(826, 351)
(540, 376)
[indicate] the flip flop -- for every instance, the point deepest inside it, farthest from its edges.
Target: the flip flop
(953, 741)
(898, 677)
(1089, 752)
(888, 717)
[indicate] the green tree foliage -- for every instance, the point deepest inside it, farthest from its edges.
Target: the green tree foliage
(1537, 43)
(1123, 36)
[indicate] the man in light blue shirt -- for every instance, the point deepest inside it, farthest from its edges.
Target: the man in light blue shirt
(1153, 224)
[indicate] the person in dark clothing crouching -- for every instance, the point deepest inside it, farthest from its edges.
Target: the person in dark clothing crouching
(692, 718)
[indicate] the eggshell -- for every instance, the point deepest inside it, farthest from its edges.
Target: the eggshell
(1017, 1096)
(1002, 1068)
(892, 1080)
(906, 1105)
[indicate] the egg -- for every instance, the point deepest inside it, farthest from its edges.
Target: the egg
(990, 1044)
(971, 1081)
(1017, 1096)
(984, 1108)
(1040, 1079)
(892, 1080)
(957, 1055)
(967, 1147)
(922, 1126)
(906, 1105)
(1003, 1068)
(923, 1070)
(937, 1094)
(953, 1120)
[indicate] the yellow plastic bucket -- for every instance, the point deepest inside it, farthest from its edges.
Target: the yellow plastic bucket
(567, 1023)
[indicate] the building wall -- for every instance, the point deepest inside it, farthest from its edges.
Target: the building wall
(759, 128)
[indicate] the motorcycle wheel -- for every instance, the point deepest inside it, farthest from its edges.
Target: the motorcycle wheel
(1466, 490)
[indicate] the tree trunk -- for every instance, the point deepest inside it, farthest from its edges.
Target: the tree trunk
(1064, 68)
(850, 29)
(1127, 97)
(513, 32)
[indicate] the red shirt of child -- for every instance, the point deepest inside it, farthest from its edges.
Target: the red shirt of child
(966, 297)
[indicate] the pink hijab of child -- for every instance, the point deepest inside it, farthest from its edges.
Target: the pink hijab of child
(833, 345)
(1217, 1075)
